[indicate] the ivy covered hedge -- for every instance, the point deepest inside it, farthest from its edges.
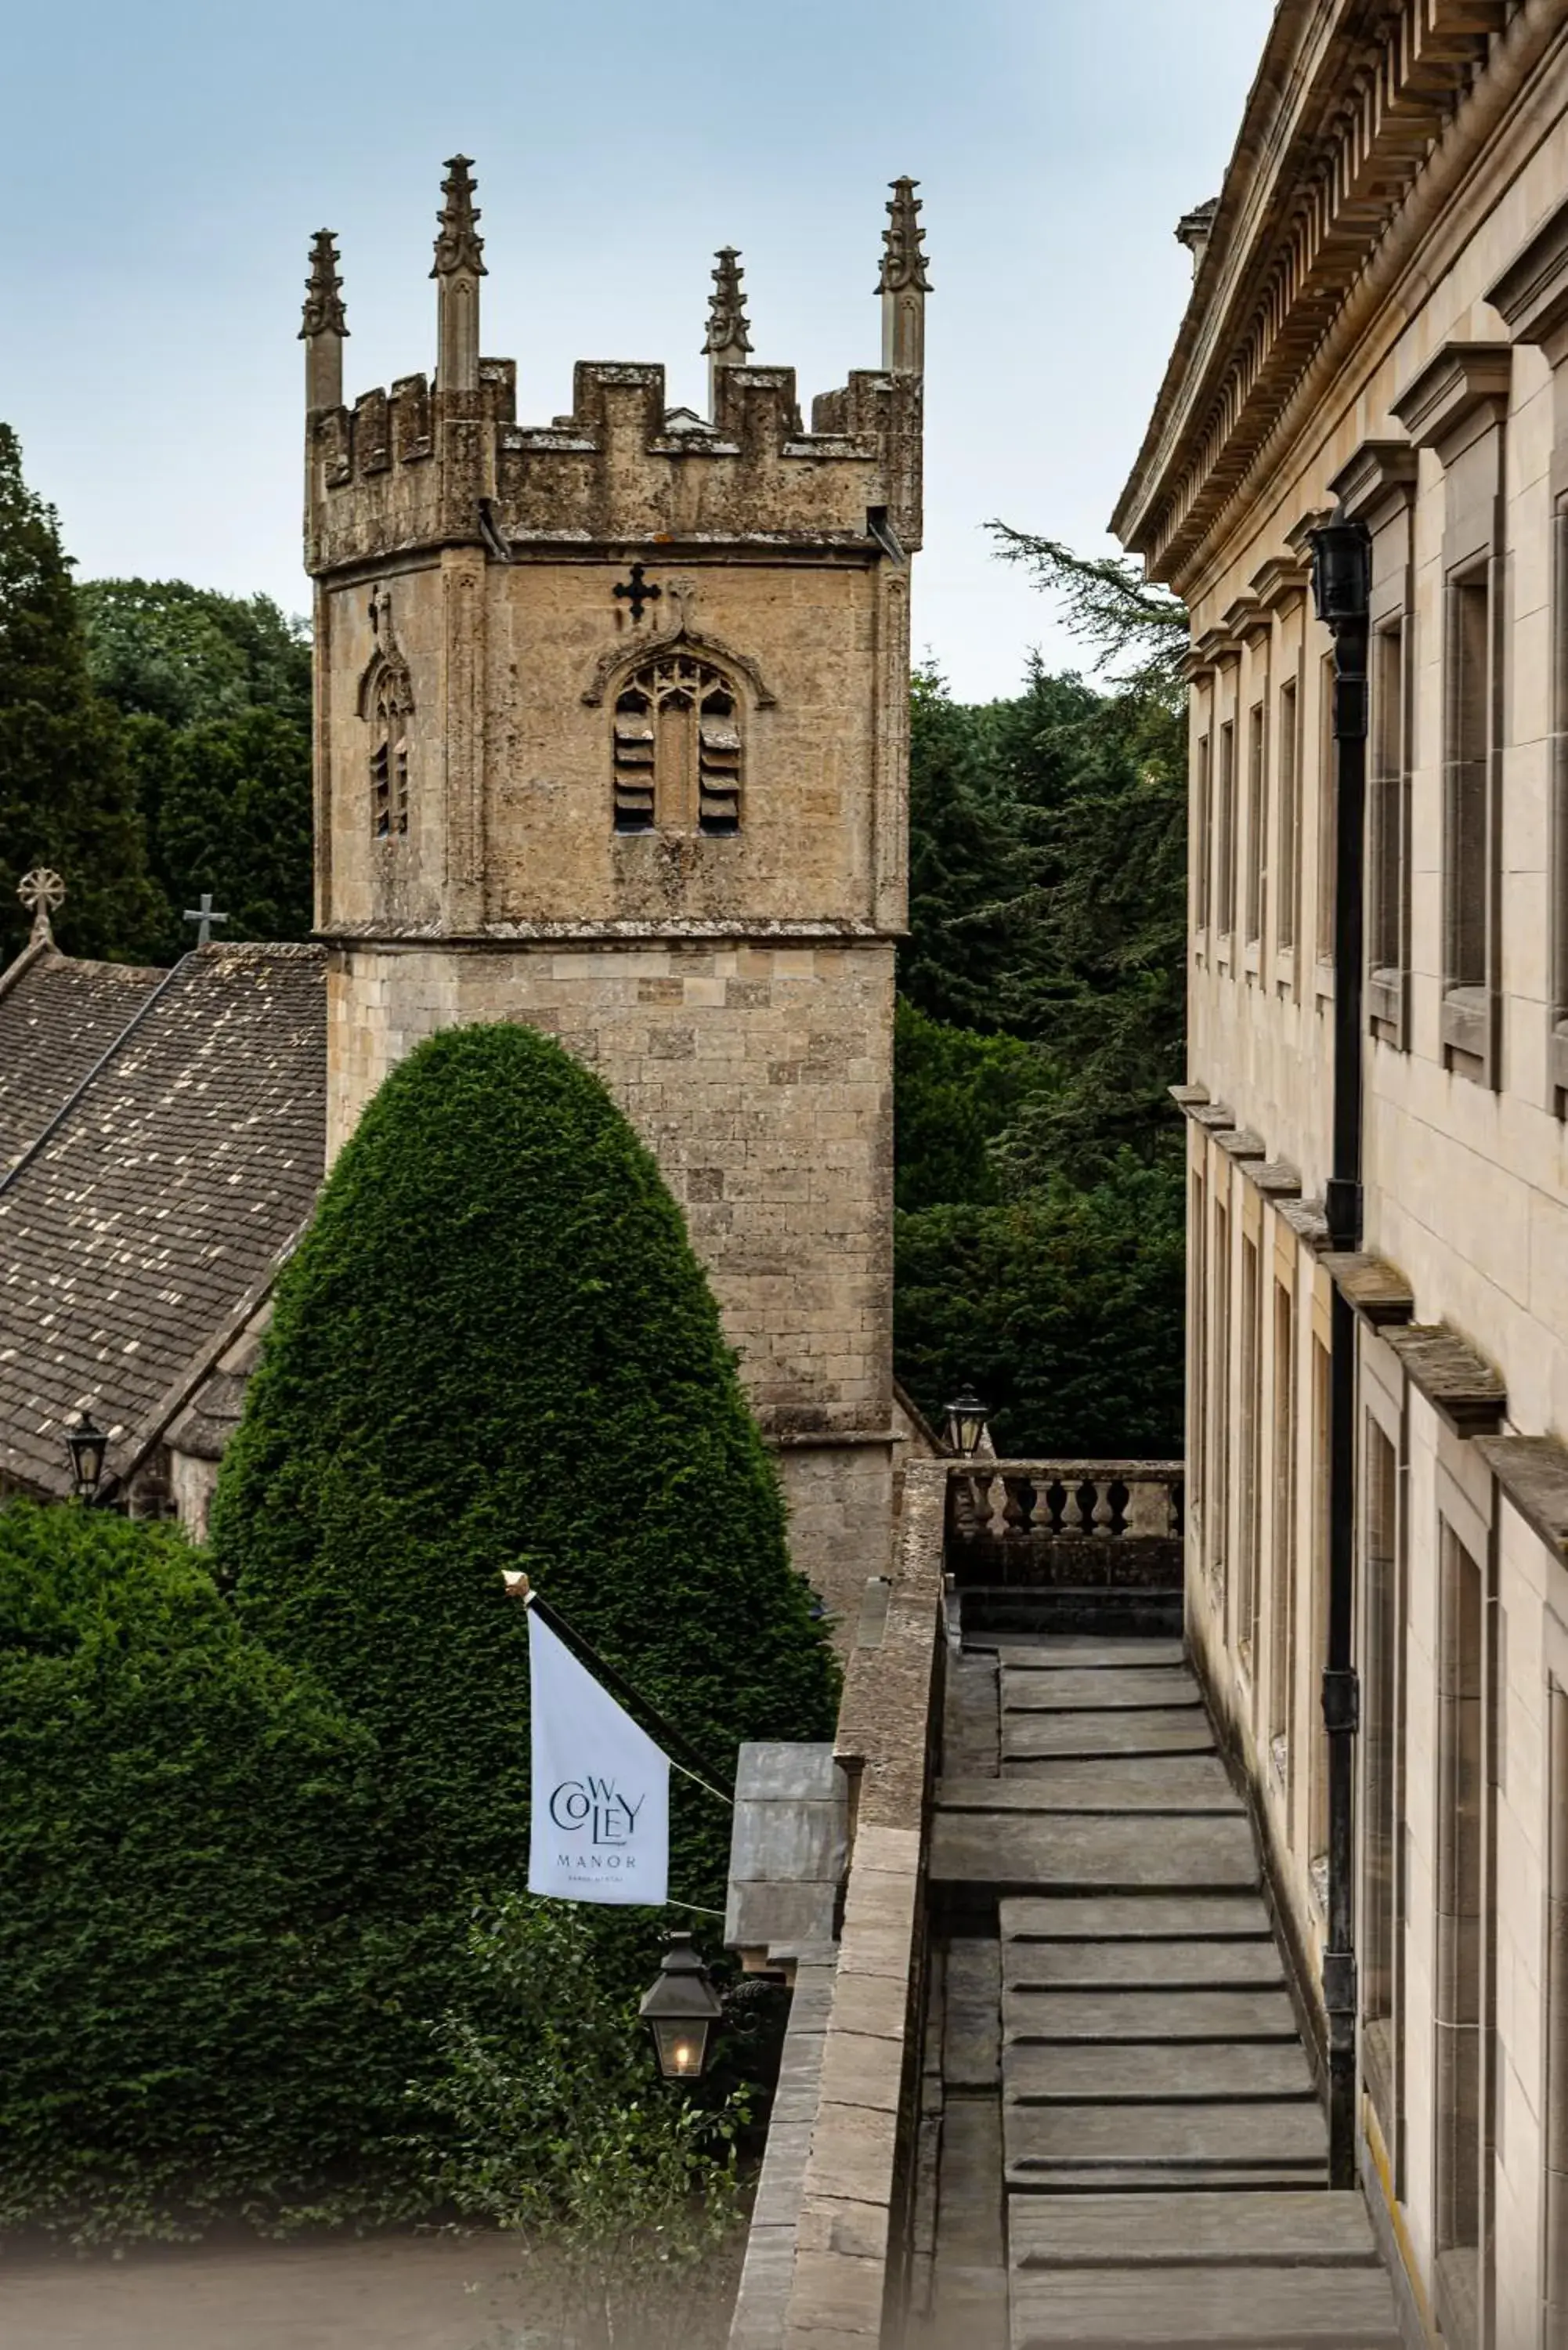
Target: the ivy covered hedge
(192, 1993)
(495, 1348)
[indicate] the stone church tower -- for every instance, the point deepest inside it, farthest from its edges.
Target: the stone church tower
(612, 740)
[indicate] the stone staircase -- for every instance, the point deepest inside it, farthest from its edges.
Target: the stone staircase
(1123, 2143)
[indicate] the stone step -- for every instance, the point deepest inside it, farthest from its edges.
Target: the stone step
(1142, 1966)
(1150, 1729)
(1154, 2017)
(1054, 1652)
(1191, 2308)
(1067, 1851)
(1329, 2231)
(1053, 2188)
(1289, 2135)
(1115, 1782)
(972, 2014)
(1096, 1692)
(1182, 2072)
(1154, 1916)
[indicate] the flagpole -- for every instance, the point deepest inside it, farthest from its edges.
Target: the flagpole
(694, 1768)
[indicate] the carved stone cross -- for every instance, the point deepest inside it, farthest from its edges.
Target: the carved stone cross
(636, 591)
(204, 916)
(43, 893)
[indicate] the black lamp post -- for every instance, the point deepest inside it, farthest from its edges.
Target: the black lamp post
(1341, 587)
(966, 1418)
(87, 1444)
(680, 2010)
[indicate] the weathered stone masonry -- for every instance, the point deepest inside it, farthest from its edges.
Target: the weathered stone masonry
(697, 888)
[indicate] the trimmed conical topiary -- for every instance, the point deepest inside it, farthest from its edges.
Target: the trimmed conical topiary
(495, 1348)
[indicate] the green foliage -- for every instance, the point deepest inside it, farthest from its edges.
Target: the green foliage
(161, 649)
(553, 2123)
(66, 793)
(1039, 1242)
(228, 801)
(193, 1992)
(495, 1348)
(956, 1091)
(1062, 1305)
(215, 697)
(1140, 631)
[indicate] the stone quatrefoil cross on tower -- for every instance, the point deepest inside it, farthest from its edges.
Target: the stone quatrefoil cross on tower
(637, 591)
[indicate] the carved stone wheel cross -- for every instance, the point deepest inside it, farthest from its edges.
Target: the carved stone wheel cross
(43, 893)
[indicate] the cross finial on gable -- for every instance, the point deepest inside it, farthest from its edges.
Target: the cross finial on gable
(203, 916)
(43, 893)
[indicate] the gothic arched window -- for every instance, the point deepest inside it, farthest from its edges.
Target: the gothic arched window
(391, 707)
(677, 749)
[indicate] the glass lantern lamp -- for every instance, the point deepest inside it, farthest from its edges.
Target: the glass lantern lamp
(680, 2010)
(967, 1418)
(87, 1445)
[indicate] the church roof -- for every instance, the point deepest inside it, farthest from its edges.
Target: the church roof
(57, 1019)
(138, 1236)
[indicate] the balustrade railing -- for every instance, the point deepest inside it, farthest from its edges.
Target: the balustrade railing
(1042, 1501)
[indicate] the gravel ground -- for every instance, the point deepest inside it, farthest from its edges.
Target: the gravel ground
(392, 2293)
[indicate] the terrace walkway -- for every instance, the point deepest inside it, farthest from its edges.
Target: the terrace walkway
(1120, 2141)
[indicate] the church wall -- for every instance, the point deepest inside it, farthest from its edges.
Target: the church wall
(761, 1077)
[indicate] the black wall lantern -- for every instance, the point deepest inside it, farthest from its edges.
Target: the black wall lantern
(680, 2010)
(1341, 569)
(87, 1444)
(966, 1418)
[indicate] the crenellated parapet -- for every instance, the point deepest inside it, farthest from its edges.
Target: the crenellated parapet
(443, 461)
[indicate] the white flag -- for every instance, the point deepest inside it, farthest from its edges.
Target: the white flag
(600, 1825)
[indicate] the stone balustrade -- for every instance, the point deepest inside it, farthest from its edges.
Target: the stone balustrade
(1013, 1501)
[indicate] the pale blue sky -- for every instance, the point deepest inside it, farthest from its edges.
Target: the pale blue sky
(165, 164)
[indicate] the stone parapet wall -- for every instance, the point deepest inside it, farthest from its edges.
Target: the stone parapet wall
(828, 2252)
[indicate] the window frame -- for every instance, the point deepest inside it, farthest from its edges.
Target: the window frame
(1288, 833)
(670, 775)
(1255, 912)
(1472, 629)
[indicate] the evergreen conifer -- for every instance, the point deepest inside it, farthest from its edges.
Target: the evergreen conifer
(67, 796)
(495, 1349)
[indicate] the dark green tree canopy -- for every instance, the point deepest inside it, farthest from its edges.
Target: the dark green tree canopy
(164, 649)
(495, 1348)
(189, 1843)
(1039, 1162)
(67, 797)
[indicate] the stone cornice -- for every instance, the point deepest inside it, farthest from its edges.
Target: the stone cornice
(1456, 1381)
(1533, 1472)
(1460, 391)
(1341, 119)
(1246, 618)
(1280, 581)
(1532, 294)
(1216, 645)
(1380, 473)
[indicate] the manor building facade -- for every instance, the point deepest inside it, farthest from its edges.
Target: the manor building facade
(1378, 334)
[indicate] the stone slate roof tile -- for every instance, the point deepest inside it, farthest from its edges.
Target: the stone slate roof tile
(57, 1019)
(132, 1236)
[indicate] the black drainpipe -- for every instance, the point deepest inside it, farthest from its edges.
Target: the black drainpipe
(1341, 583)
